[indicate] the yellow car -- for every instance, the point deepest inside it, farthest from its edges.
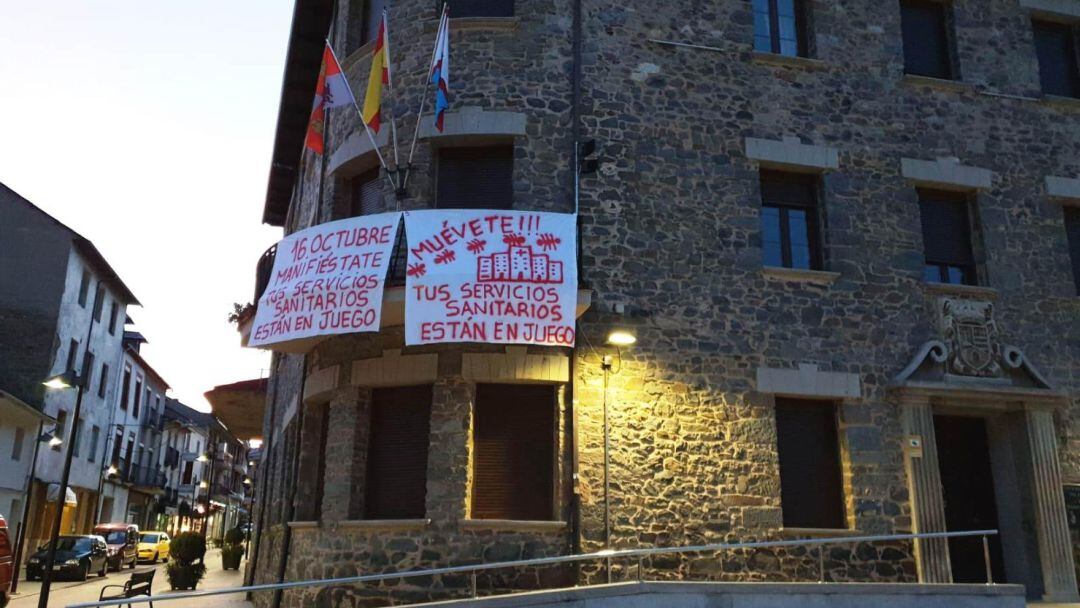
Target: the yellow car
(153, 546)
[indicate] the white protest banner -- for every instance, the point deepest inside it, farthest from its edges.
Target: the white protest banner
(507, 277)
(327, 279)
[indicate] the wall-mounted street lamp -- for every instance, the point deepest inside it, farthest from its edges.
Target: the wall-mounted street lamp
(202, 458)
(51, 439)
(621, 337)
(112, 470)
(68, 379)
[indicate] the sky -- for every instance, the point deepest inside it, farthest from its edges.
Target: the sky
(147, 127)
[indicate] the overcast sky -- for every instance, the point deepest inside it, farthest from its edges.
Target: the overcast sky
(147, 126)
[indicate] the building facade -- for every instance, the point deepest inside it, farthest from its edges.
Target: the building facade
(845, 236)
(133, 489)
(184, 444)
(71, 316)
(21, 426)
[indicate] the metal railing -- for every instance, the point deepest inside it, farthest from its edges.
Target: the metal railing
(263, 268)
(607, 556)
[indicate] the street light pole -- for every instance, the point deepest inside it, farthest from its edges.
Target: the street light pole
(80, 384)
(20, 540)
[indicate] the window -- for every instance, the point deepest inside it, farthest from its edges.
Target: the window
(187, 473)
(479, 8)
(366, 194)
(1072, 229)
(61, 428)
(1055, 45)
(946, 228)
(103, 381)
(147, 399)
(780, 27)
(926, 28)
(372, 16)
(789, 220)
(114, 313)
(118, 440)
(811, 494)
(476, 178)
(84, 288)
(396, 482)
(73, 353)
(99, 303)
(513, 452)
(17, 445)
(76, 435)
(124, 387)
(88, 367)
(95, 436)
(138, 393)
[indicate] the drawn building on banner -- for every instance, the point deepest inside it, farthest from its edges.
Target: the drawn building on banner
(519, 264)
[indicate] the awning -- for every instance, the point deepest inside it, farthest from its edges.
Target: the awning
(54, 492)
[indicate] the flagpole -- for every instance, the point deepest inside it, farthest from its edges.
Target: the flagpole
(360, 113)
(390, 90)
(423, 99)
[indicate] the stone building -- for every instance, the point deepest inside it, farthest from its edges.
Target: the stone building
(62, 307)
(846, 237)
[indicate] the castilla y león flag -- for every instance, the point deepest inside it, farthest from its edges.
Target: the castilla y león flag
(331, 91)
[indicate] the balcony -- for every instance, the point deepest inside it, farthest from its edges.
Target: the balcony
(153, 420)
(146, 478)
(263, 271)
(172, 457)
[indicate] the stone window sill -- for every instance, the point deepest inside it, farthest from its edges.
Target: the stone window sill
(512, 525)
(382, 525)
(938, 83)
(968, 291)
(788, 60)
(822, 277)
(1062, 102)
(303, 524)
(818, 532)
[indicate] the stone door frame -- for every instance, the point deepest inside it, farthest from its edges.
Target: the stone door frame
(917, 402)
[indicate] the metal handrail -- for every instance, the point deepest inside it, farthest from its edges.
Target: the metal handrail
(607, 555)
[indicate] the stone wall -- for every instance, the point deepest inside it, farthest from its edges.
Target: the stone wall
(671, 248)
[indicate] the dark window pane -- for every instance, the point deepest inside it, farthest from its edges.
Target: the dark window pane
(955, 275)
(513, 452)
(925, 28)
(770, 237)
(480, 8)
(372, 16)
(931, 274)
(396, 483)
(779, 27)
(799, 239)
(946, 228)
(476, 178)
(1072, 229)
(1056, 49)
(811, 494)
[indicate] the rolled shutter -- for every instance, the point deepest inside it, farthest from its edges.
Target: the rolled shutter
(784, 189)
(924, 26)
(396, 481)
(946, 227)
(513, 452)
(476, 178)
(479, 8)
(366, 194)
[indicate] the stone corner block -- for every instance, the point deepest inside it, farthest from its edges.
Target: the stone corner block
(1063, 187)
(808, 381)
(320, 384)
(1060, 8)
(946, 173)
(790, 153)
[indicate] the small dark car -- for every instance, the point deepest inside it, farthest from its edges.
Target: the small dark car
(123, 541)
(76, 557)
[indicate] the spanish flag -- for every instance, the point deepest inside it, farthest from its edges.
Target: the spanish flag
(380, 75)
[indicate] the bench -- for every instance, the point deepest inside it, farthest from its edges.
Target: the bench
(138, 584)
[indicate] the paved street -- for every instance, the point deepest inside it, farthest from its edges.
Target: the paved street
(69, 592)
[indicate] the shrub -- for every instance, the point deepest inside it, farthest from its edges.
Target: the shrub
(234, 537)
(188, 547)
(184, 576)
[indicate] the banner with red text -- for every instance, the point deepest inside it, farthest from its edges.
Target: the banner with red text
(507, 277)
(327, 279)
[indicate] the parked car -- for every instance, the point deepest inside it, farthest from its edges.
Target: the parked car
(154, 545)
(76, 557)
(7, 563)
(123, 541)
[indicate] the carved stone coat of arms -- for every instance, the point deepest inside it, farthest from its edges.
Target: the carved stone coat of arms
(969, 330)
